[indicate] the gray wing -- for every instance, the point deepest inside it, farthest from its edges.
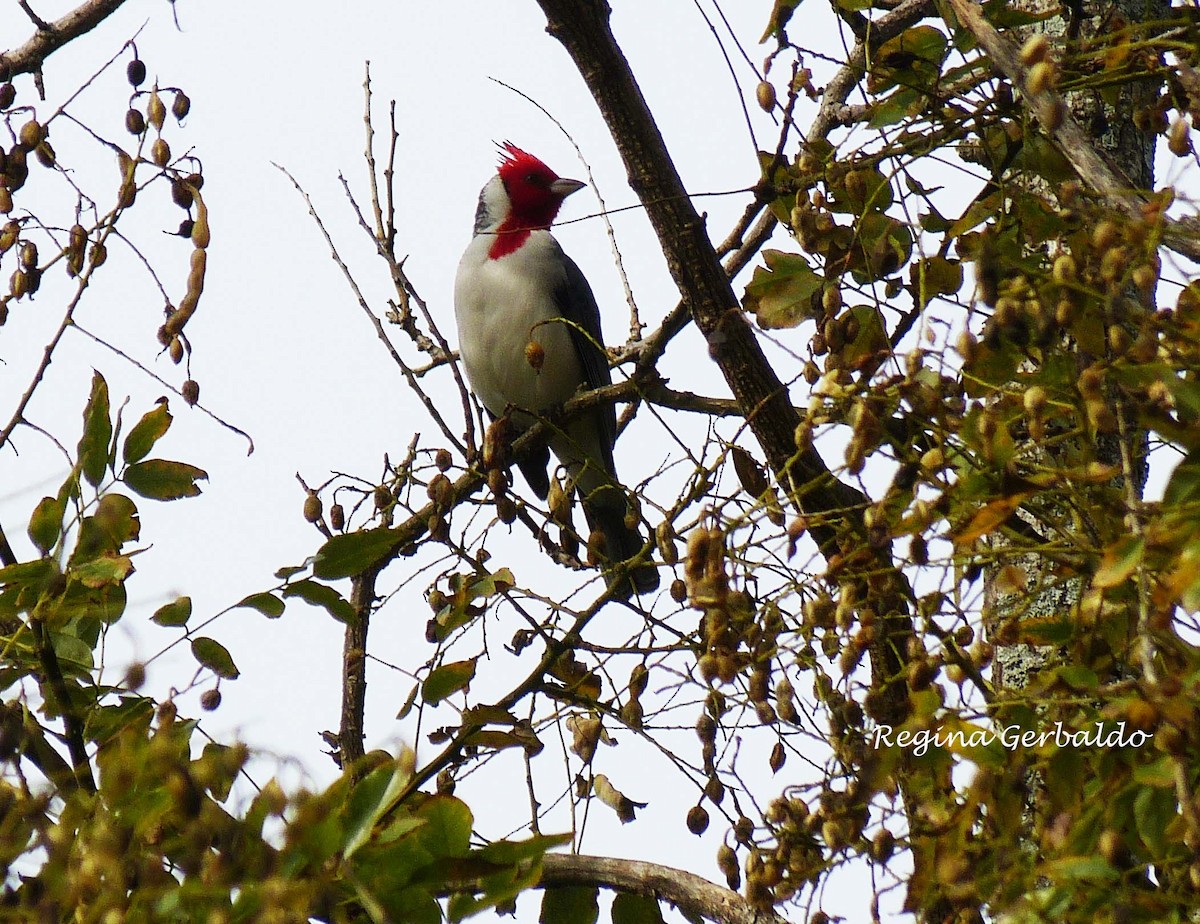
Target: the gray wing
(577, 304)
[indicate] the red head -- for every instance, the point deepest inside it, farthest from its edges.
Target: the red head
(534, 190)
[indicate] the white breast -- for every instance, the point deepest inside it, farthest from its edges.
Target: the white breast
(501, 305)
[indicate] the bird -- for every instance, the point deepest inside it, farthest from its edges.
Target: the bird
(516, 287)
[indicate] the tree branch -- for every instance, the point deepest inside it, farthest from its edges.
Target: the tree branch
(28, 58)
(691, 894)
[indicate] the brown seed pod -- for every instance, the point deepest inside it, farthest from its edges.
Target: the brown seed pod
(9, 235)
(135, 72)
(160, 152)
(181, 195)
(18, 283)
(31, 135)
(312, 507)
(6, 200)
(176, 350)
(1040, 78)
(535, 355)
(697, 820)
(8, 95)
(191, 392)
(210, 700)
(506, 509)
(337, 517)
(156, 112)
(200, 231)
(765, 94)
(98, 255)
(1179, 140)
(182, 106)
(1035, 49)
(135, 122)
(45, 155)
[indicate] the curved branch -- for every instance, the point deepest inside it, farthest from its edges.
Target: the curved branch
(28, 57)
(691, 894)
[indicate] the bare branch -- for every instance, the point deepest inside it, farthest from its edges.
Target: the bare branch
(28, 57)
(691, 894)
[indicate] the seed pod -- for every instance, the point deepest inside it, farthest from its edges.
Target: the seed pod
(160, 152)
(1040, 78)
(697, 820)
(185, 228)
(1035, 400)
(156, 112)
(210, 700)
(18, 283)
(778, 757)
(678, 590)
(443, 460)
(312, 507)
(765, 93)
(382, 497)
(45, 155)
(31, 135)
(182, 106)
(337, 517)
(6, 201)
(135, 72)
(664, 539)
(135, 122)
(200, 232)
(8, 95)
(535, 355)
(506, 509)
(9, 235)
(1035, 49)
(28, 254)
(181, 195)
(98, 255)
(1179, 141)
(176, 350)
(191, 392)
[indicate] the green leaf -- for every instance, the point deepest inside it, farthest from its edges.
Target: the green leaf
(105, 722)
(780, 295)
(213, 655)
(371, 799)
(29, 577)
(97, 431)
(447, 829)
(933, 276)
(324, 596)
(1154, 810)
(105, 571)
(352, 553)
(45, 526)
(266, 603)
(447, 679)
(635, 909)
(1120, 560)
(145, 433)
(173, 614)
(573, 905)
(160, 479)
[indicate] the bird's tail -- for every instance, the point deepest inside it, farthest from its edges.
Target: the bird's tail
(606, 510)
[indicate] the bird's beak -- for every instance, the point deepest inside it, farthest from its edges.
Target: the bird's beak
(563, 188)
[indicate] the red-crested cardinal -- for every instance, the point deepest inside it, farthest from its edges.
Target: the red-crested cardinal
(516, 286)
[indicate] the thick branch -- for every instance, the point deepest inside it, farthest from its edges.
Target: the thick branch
(691, 894)
(28, 58)
(582, 27)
